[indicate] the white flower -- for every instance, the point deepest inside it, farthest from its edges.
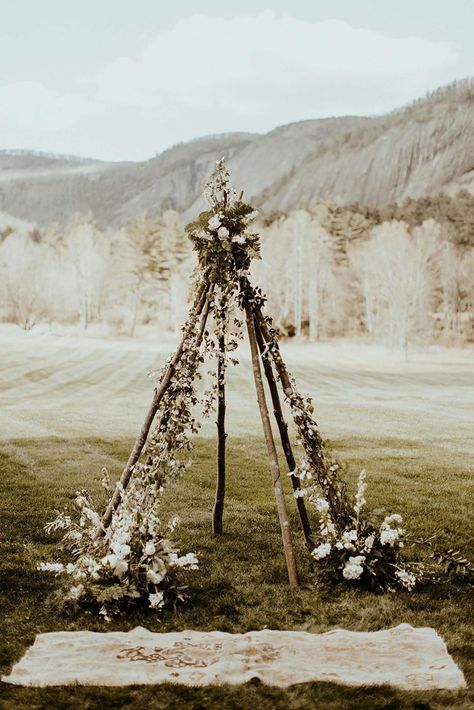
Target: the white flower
(353, 567)
(50, 567)
(190, 561)
(117, 565)
(222, 232)
(70, 568)
(93, 516)
(349, 536)
(369, 542)
(406, 579)
(361, 486)
(121, 568)
(322, 550)
(76, 592)
(214, 222)
(352, 571)
(92, 567)
(156, 600)
(389, 536)
(239, 239)
(153, 576)
(120, 550)
(122, 535)
(149, 549)
(322, 506)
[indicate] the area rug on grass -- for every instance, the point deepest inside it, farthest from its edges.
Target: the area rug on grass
(404, 657)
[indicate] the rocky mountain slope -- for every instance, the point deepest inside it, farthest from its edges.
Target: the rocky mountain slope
(422, 149)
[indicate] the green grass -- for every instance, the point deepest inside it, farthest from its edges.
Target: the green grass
(242, 583)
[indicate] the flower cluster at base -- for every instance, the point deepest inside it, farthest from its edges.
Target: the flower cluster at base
(363, 552)
(133, 562)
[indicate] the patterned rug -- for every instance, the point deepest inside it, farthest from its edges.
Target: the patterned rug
(404, 657)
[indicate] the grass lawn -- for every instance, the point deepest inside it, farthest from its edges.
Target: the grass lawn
(71, 406)
(242, 584)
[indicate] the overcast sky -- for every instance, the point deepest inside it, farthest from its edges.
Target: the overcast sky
(125, 79)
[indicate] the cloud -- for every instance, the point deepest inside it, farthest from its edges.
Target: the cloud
(250, 63)
(210, 74)
(34, 116)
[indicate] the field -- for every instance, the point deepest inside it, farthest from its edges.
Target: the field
(71, 405)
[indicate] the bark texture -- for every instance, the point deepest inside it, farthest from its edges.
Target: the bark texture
(218, 511)
(272, 454)
(283, 429)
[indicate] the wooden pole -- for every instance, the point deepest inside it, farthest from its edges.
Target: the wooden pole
(272, 454)
(283, 429)
(218, 510)
(317, 457)
(201, 301)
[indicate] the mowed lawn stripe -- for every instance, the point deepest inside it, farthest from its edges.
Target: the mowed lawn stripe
(62, 371)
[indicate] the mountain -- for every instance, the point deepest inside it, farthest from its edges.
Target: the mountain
(422, 149)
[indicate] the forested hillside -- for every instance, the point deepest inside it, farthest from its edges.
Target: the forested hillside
(420, 150)
(400, 274)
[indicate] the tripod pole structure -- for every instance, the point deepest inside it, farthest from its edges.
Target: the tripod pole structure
(218, 510)
(201, 304)
(283, 429)
(272, 454)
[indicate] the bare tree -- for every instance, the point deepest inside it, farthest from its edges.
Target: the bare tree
(397, 273)
(452, 280)
(22, 280)
(154, 248)
(298, 271)
(87, 254)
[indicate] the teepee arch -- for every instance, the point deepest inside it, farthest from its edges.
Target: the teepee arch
(224, 293)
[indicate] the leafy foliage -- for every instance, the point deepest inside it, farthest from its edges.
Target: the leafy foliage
(453, 564)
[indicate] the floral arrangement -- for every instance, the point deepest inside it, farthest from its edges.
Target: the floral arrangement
(363, 552)
(133, 562)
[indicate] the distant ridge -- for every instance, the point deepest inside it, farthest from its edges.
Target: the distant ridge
(419, 150)
(48, 155)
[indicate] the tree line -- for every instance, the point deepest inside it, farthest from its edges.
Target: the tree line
(397, 275)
